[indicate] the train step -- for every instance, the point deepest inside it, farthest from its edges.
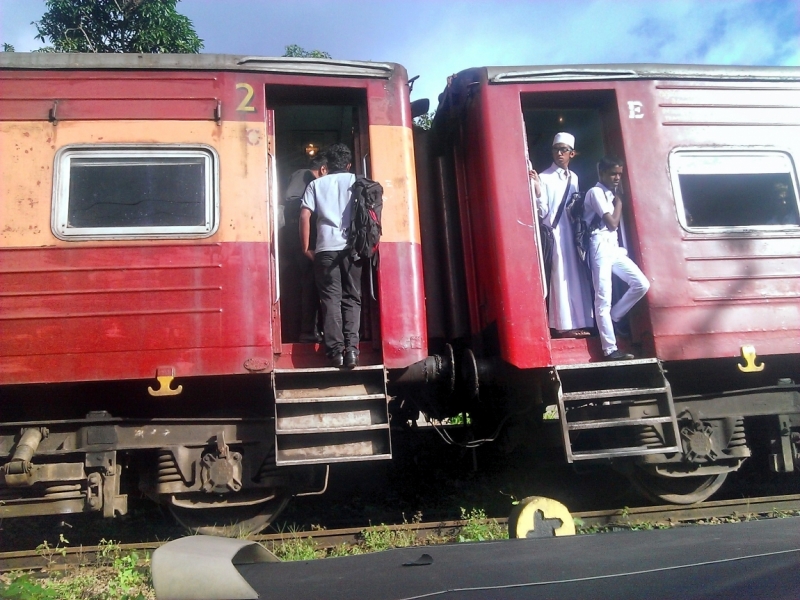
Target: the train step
(616, 409)
(328, 415)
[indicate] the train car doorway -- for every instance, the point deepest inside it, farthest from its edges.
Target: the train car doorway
(302, 123)
(593, 119)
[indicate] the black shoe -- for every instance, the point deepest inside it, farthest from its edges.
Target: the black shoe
(618, 355)
(337, 360)
(350, 359)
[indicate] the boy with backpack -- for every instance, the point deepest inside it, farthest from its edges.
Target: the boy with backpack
(337, 271)
(607, 258)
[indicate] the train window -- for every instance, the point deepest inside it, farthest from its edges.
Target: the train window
(728, 189)
(135, 192)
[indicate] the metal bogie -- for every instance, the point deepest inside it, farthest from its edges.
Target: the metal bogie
(59, 487)
(786, 445)
(708, 442)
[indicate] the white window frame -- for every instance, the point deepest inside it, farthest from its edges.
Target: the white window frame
(61, 184)
(730, 160)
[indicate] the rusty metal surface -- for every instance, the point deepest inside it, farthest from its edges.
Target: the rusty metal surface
(638, 71)
(155, 433)
(226, 62)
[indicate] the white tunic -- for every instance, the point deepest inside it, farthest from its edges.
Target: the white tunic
(570, 297)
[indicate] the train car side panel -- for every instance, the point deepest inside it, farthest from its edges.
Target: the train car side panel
(714, 289)
(69, 304)
(403, 332)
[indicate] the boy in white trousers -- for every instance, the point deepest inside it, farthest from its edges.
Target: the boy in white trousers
(606, 258)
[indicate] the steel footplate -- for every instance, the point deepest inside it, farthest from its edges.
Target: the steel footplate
(330, 415)
(616, 409)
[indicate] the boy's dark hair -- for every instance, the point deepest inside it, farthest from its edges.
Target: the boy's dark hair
(316, 163)
(339, 158)
(609, 162)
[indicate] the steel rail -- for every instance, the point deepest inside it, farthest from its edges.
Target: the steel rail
(433, 532)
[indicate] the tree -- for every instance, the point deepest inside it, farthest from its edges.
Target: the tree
(138, 26)
(425, 121)
(8, 47)
(295, 51)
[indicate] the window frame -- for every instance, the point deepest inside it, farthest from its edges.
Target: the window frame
(61, 185)
(677, 154)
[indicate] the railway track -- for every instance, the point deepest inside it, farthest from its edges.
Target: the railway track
(768, 506)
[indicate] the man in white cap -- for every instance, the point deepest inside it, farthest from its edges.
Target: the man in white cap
(569, 297)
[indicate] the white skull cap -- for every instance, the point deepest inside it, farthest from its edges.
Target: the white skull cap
(564, 138)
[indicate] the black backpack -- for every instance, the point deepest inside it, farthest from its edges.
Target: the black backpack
(364, 233)
(580, 228)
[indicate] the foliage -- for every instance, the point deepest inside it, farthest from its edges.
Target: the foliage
(125, 565)
(116, 575)
(298, 548)
(22, 586)
(138, 26)
(48, 552)
(425, 121)
(295, 51)
(381, 538)
(478, 528)
(459, 419)
(8, 48)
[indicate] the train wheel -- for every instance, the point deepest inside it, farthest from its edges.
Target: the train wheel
(675, 490)
(225, 520)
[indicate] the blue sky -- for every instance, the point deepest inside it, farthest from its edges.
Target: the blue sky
(434, 38)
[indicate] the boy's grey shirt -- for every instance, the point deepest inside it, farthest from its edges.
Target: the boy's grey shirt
(330, 198)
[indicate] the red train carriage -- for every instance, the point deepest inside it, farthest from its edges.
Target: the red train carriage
(712, 219)
(140, 281)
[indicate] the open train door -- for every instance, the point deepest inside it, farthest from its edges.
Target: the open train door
(323, 415)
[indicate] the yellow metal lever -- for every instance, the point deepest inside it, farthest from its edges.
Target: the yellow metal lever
(749, 356)
(165, 375)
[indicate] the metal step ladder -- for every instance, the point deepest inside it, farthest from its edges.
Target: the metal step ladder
(329, 415)
(616, 409)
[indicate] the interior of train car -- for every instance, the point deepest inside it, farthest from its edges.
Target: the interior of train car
(593, 119)
(305, 121)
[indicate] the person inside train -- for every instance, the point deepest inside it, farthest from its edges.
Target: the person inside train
(782, 206)
(336, 272)
(297, 271)
(569, 298)
(602, 213)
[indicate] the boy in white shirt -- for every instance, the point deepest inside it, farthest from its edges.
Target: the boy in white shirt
(336, 271)
(606, 258)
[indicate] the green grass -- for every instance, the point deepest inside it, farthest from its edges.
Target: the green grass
(478, 528)
(114, 575)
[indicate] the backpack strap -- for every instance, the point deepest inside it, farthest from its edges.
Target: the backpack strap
(563, 203)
